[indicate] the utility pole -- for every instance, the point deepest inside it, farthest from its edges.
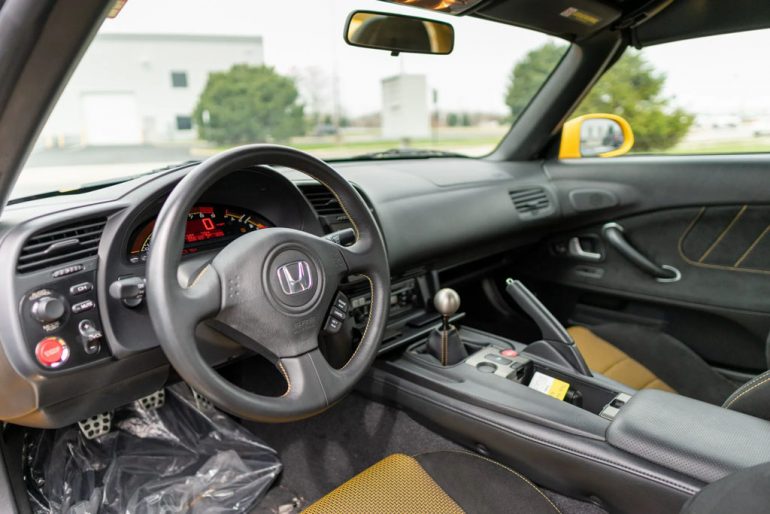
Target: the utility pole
(435, 117)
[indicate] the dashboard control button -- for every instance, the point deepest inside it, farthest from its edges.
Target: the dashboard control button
(69, 270)
(339, 314)
(83, 306)
(90, 336)
(341, 302)
(52, 352)
(81, 288)
(496, 358)
(48, 309)
(333, 325)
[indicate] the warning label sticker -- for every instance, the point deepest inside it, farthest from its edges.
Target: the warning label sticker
(549, 385)
(575, 14)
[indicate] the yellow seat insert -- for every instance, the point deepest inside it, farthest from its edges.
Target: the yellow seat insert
(602, 357)
(397, 484)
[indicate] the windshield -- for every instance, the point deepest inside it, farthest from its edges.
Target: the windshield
(178, 80)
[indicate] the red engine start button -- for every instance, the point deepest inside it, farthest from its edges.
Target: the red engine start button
(52, 352)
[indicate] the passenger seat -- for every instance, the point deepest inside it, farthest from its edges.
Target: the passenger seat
(643, 358)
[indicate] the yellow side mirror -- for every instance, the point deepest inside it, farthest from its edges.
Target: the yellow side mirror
(596, 135)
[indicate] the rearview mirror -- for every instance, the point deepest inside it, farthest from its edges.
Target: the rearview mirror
(596, 135)
(399, 33)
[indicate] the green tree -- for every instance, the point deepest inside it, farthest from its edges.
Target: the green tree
(529, 74)
(631, 88)
(249, 104)
(452, 119)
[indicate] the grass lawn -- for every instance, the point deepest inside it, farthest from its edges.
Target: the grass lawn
(752, 145)
(483, 144)
(472, 146)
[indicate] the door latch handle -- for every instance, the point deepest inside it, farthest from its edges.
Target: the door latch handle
(575, 249)
(613, 233)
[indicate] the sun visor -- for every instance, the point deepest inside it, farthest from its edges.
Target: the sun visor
(568, 19)
(445, 6)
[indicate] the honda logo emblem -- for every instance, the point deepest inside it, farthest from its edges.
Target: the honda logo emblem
(295, 277)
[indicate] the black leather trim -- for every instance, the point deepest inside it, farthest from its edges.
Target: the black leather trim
(576, 466)
(752, 398)
(695, 438)
(747, 492)
(479, 484)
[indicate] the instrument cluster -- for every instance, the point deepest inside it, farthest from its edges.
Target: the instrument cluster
(209, 226)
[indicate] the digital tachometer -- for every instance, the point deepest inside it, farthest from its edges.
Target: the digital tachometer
(208, 226)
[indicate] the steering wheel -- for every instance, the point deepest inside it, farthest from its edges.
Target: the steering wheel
(269, 290)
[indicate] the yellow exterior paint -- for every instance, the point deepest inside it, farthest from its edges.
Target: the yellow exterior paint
(570, 136)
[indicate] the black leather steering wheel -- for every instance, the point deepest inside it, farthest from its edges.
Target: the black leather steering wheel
(269, 290)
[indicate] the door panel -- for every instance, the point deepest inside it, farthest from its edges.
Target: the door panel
(707, 217)
(729, 238)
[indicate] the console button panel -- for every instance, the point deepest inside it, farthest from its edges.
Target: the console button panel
(60, 321)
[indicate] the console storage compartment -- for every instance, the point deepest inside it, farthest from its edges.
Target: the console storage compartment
(687, 435)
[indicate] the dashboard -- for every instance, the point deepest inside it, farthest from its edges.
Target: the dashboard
(79, 340)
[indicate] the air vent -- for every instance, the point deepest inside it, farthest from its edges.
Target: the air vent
(61, 245)
(532, 202)
(323, 201)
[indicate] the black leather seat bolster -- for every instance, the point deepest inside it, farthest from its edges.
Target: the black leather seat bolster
(746, 491)
(753, 397)
(479, 484)
(698, 439)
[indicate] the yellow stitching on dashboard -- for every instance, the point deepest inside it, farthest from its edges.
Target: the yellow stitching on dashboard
(723, 234)
(751, 248)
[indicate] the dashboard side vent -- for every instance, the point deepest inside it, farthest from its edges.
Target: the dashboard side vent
(61, 245)
(532, 202)
(323, 201)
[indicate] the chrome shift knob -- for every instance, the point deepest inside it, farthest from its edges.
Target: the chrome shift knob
(446, 301)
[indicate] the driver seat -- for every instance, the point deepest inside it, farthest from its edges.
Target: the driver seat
(445, 482)
(449, 482)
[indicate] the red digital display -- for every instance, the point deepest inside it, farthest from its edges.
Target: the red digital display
(203, 229)
(208, 226)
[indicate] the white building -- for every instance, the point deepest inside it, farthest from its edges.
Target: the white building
(405, 108)
(133, 89)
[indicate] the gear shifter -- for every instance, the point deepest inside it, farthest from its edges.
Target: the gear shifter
(444, 343)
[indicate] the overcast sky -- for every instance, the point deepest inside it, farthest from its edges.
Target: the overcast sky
(721, 75)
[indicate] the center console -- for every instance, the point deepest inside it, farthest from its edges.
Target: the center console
(538, 408)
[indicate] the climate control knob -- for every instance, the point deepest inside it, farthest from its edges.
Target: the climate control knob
(48, 309)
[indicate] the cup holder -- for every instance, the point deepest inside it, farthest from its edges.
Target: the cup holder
(486, 367)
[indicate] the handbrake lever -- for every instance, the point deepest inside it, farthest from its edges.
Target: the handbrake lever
(554, 335)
